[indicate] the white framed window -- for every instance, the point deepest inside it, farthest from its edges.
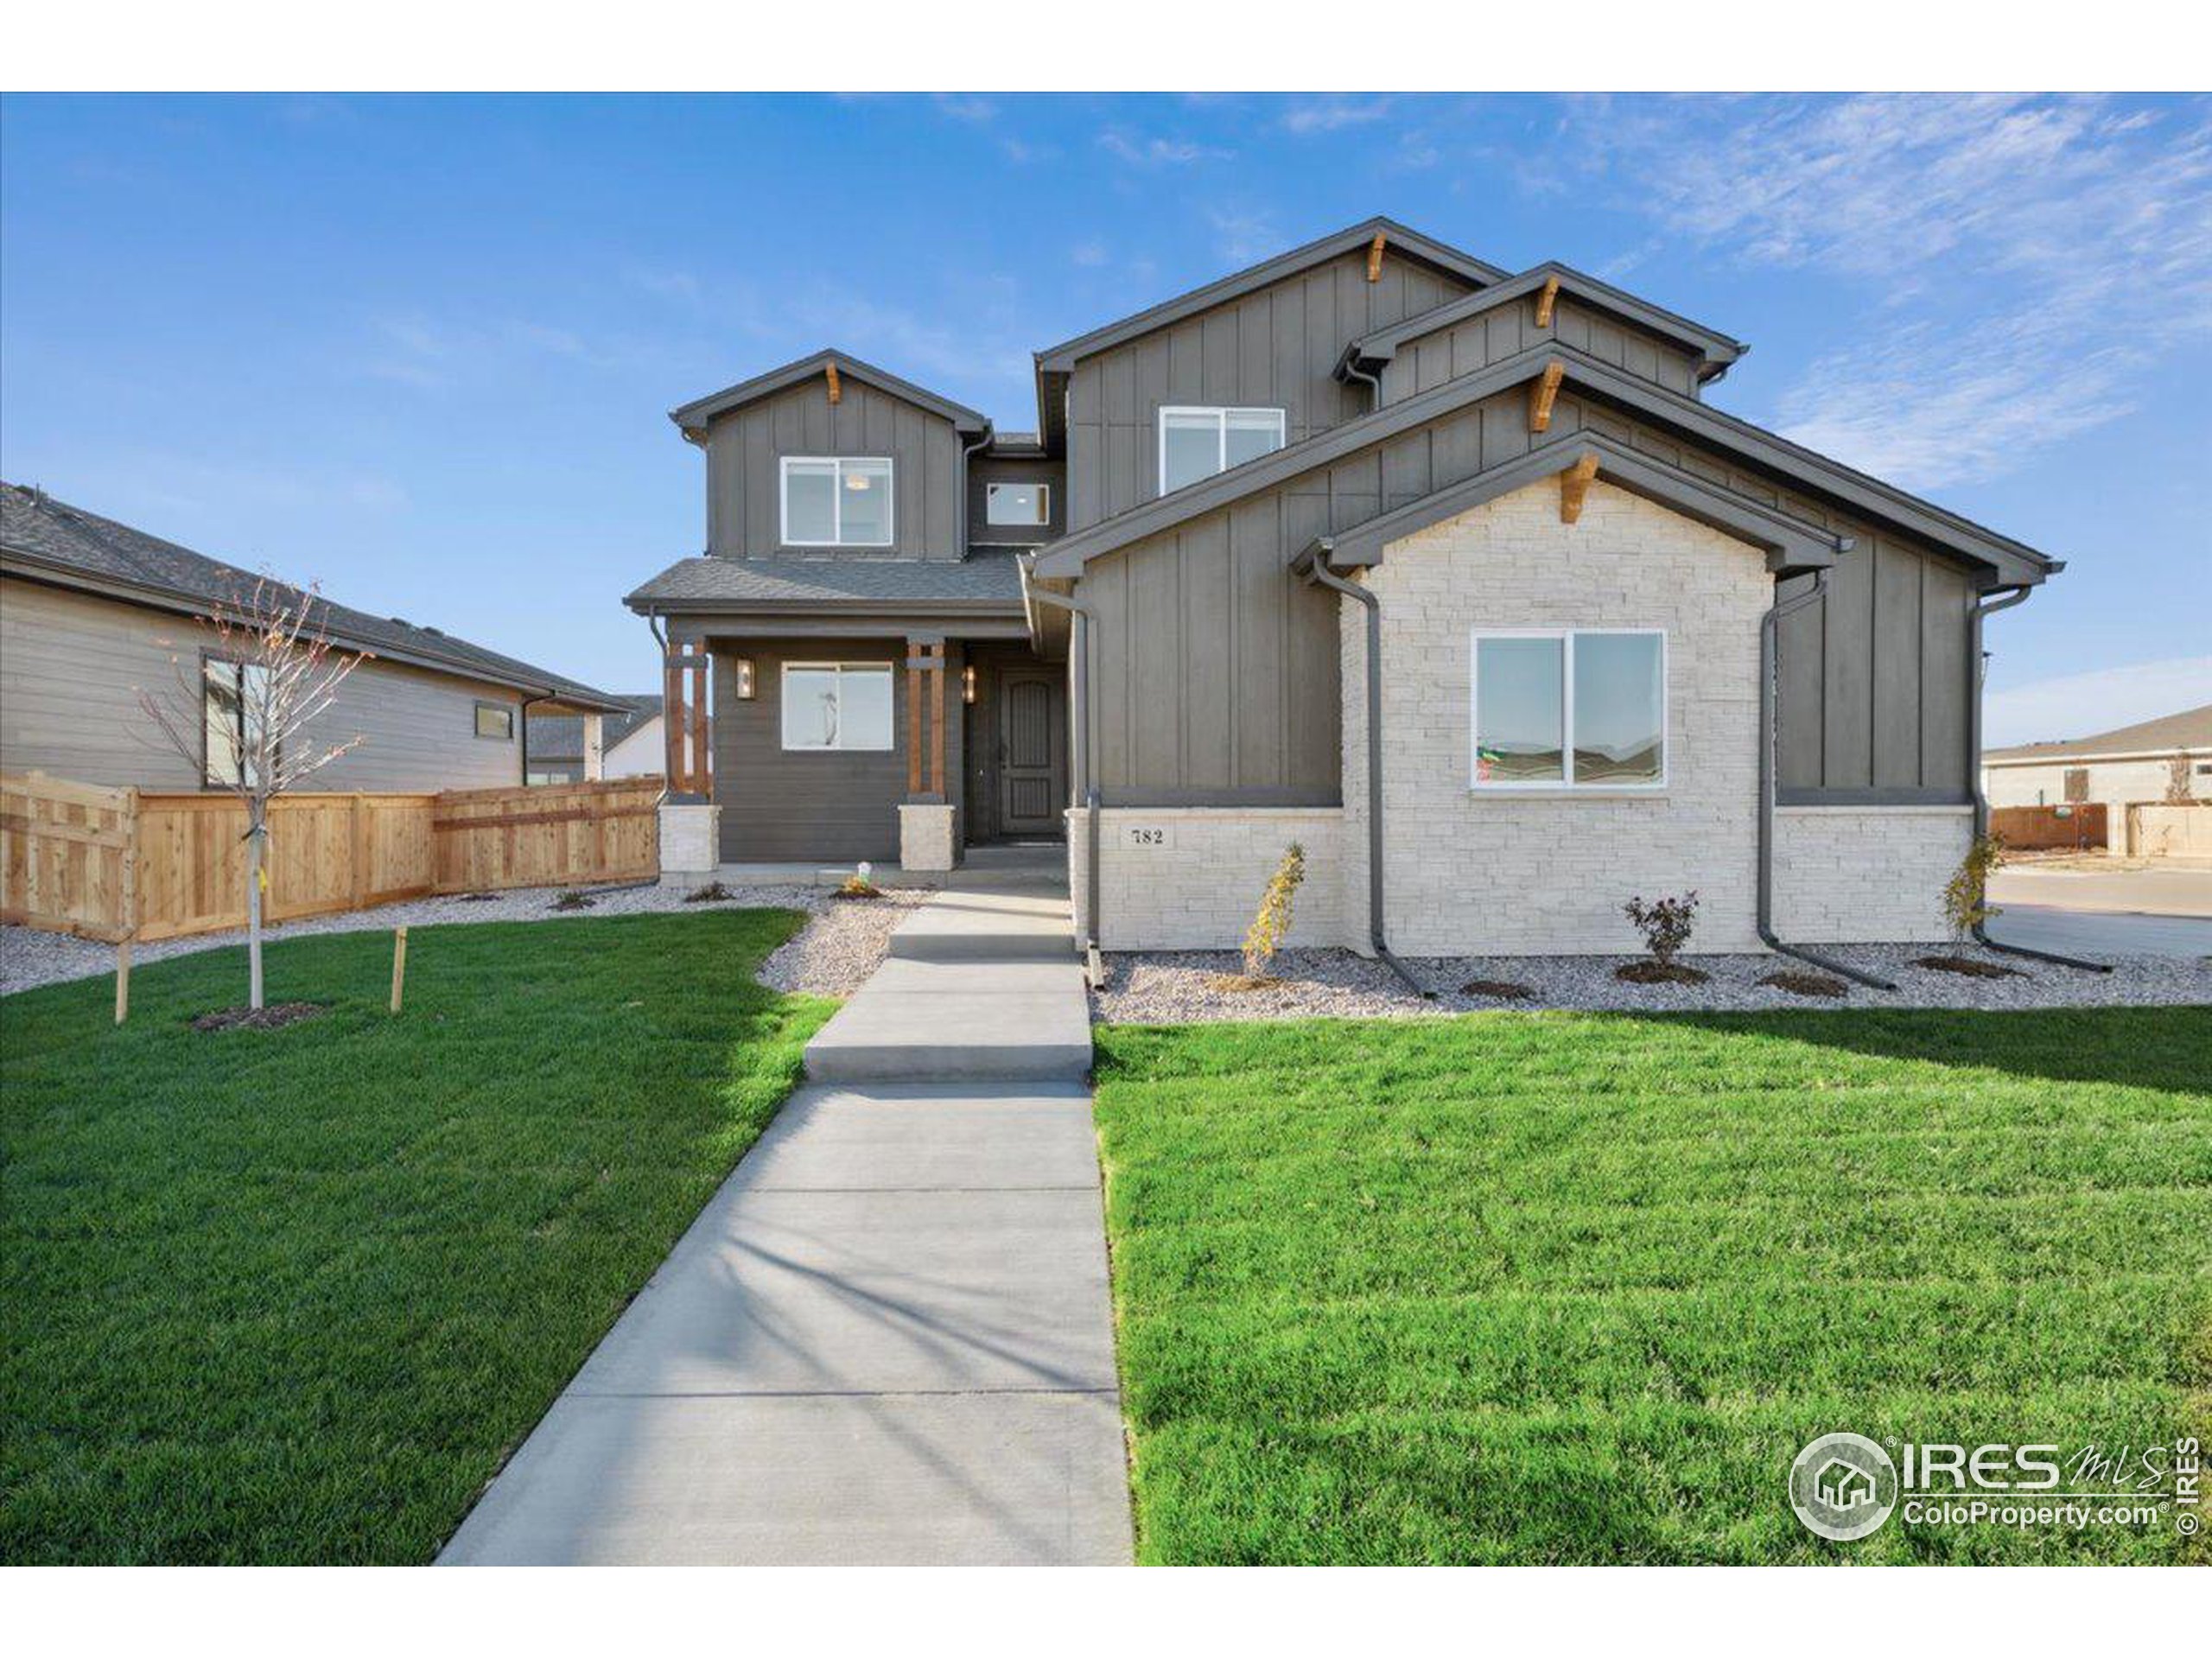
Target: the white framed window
(837, 501)
(1196, 443)
(1568, 709)
(1017, 504)
(836, 706)
(233, 702)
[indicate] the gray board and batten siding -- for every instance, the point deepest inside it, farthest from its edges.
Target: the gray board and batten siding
(1221, 669)
(830, 806)
(745, 446)
(985, 470)
(1426, 361)
(1275, 348)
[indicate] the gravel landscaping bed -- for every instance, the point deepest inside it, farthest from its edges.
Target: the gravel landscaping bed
(1173, 988)
(838, 949)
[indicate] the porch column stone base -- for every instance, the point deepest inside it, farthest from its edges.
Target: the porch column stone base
(691, 839)
(925, 837)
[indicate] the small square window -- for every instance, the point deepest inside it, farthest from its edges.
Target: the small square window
(1017, 504)
(495, 719)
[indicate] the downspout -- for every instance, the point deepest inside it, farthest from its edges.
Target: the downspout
(1978, 667)
(1770, 632)
(523, 716)
(961, 550)
(1316, 571)
(652, 623)
(1080, 717)
(1353, 372)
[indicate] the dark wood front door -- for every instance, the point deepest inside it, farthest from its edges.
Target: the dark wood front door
(1033, 751)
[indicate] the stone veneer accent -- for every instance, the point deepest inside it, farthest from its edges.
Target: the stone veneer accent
(925, 837)
(691, 839)
(1199, 889)
(1845, 875)
(1473, 873)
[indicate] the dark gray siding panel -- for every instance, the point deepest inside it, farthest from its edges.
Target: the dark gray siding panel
(745, 448)
(833, 808)
(1428, 362)
(1276, 348)
(984, 472)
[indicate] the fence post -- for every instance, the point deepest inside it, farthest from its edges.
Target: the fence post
(399, 965)
(358, 827)
(122, 980)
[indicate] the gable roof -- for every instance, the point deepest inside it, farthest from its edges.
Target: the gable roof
(1791, 545)
(55, 542)
(696, 414)
(2189, 729)
(2008, 561)
(1398, 238)
(1716, 351)
(560, 737)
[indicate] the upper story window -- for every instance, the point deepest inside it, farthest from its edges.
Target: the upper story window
(1017, 504)
(1570, 710)
(1196, 443)
(837, 501)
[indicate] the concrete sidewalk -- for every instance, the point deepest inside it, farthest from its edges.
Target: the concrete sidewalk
(888, 1339)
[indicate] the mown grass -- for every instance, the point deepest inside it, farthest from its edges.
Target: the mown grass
(1551, 1287)
(292, 1296)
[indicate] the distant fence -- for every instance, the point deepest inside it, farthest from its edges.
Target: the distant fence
(2157, 830)
(2040, 829)
(122, 863)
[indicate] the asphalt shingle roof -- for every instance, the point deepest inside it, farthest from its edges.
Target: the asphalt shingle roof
(2189, 729)
(560, 737)
(987, 579)
(69, 539)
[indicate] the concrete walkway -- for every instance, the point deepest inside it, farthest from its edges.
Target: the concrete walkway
(888, 1339)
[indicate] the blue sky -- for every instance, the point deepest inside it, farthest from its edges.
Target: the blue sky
(421, 349)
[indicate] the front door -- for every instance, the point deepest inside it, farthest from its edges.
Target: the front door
(1033, 751)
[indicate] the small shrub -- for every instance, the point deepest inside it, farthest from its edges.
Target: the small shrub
(1798, 983)
(713, 893)
(1966, 895)
(1271, 926)
(572, 900)
(1665, 924)
(1505, 989)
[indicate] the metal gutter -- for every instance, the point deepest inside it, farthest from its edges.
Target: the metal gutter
(1314, 565)
(1978, 667)
(1093, 967)
(960, 501)
(1769, 669)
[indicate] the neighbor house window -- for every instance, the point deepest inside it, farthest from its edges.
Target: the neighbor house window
(1196, 443)
(2077, 783)
(836, 705)
(837, 501)
(495, 719)
(232, 701)
(1571, 709)
(1017, 504)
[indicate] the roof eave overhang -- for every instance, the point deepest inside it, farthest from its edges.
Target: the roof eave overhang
(692, 418)
(1716, 351)
(2001, 562)
(16, 561)
(1397, 237)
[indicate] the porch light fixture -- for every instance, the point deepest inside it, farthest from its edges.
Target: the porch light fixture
(745, 679)
(967, 684)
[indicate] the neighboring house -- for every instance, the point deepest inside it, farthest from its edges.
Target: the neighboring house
(578, 748)
(635, 748)
(2115, 768)
(92, 611)
(911, 633)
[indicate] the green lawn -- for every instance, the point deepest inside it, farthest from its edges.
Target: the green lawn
(291, 1296)
(1547, 1287)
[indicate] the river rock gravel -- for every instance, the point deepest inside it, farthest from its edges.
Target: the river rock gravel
(840, 946)
(1164, 987)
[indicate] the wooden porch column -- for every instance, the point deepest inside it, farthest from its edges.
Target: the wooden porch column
(684, 724)
(926, 659)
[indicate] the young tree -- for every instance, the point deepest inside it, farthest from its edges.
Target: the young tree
(2178, 790)
(243, 711)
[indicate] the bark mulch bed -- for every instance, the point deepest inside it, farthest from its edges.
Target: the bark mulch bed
(272, 1018)
(1804, 984)
(1507, 989)
(1968, 966)
(1661, 973)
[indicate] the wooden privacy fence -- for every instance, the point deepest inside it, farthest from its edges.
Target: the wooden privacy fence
(2038, 829)
(121, 863)
(2158, 829)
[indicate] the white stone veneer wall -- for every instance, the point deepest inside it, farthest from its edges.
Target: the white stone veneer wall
(1847, 875)
(1198, 891)
(690, 840)
(1473, 873)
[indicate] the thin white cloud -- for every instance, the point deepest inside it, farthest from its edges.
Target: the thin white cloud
(1024, 152)
(1245, 234)
(1332, 112)
(1088, 253)
(2079, 705)
(1139, 150)
(963, 106)
(2026, 258)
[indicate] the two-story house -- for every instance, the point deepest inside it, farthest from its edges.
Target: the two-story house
(1451, 575)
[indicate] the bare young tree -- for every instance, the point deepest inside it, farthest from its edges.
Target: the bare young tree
(242, 708)
(2178, 792)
